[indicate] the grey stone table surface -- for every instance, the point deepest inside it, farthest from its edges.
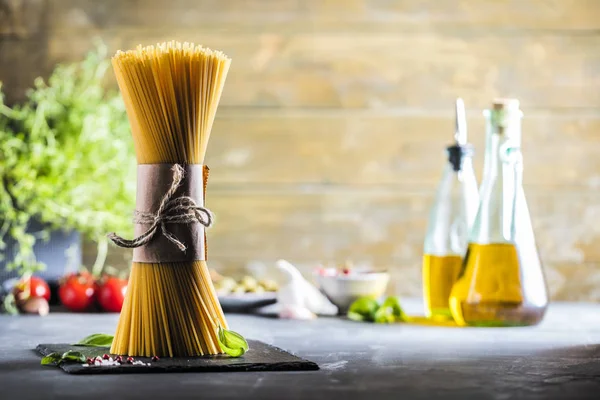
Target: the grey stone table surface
(558, 359)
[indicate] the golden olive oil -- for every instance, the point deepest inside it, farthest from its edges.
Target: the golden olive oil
(439, 275)
(489, 291)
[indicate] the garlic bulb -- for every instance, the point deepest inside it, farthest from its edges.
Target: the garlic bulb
(299, 299)
(36, 305)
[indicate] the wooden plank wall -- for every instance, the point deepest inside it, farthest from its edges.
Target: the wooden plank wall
(329, 141)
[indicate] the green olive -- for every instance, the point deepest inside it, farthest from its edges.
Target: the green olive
(259, 289)
(248, 282)
(269, 285)
(222, 291)
(239, 289)
(226, 282)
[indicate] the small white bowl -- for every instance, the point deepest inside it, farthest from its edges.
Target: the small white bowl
(342, 290)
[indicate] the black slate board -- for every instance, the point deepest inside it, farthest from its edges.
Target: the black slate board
(260, 357)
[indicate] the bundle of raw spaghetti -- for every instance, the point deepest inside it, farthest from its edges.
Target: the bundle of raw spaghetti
(171, 93)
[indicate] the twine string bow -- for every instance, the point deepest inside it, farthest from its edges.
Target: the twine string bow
(178, 210)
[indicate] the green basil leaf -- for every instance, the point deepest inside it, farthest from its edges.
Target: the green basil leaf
(72, 355)
(389, 312)
(9, 304)
(232, 342)
(355, 316)
(384, 316)
(51, 358)
(96, 340)
(394, 304)
(365, 307)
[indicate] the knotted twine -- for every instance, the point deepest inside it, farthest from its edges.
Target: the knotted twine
(178, 210)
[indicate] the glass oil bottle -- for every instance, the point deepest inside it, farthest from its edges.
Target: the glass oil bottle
(451, 217)
(502, 281)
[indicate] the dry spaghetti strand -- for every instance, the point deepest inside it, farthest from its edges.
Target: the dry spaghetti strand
(171, 93)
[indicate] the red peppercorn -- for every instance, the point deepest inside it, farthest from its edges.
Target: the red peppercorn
(98, 358)
(106, 357)
(90, 361)
(129, 360)
(119, 359)
(155, 358)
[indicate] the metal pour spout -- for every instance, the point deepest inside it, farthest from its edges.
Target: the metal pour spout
(460, 132)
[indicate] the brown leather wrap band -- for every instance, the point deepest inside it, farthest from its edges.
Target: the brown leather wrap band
(153, 181)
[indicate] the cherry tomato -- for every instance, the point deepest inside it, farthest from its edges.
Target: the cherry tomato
(32, 287)
(77, 292)
(112, 294)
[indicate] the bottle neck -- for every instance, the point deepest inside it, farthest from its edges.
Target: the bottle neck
(508, 126)
(459, 156)
(502, 180)
(453, 211)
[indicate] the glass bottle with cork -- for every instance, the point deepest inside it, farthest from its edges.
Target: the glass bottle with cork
(451, 217)
(502, 281)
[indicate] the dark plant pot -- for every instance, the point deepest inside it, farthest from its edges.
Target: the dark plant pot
(61, 254)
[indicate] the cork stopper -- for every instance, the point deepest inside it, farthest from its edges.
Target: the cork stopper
(505, 104)
(504, 113)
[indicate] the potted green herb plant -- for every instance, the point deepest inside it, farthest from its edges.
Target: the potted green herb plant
(67, 169)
